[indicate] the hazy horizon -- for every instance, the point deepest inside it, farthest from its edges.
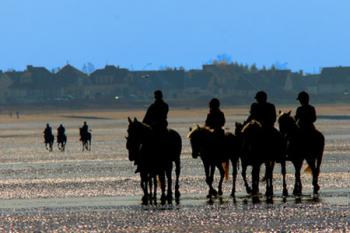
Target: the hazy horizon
(153, 34)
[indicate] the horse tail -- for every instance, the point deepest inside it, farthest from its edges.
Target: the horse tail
(226, 166)
(308, 170)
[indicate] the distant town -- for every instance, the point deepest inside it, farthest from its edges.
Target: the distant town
(112, 85)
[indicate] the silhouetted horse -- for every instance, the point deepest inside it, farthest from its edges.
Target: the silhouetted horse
(49, 140)
(302, 145)
(260, 146)
(61, 141)
(154, 154)
(214, 154)
(85, 138)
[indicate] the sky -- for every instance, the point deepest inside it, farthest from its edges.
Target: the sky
(152, 34)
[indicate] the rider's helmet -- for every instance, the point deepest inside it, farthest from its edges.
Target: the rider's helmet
(261, 96)
(214, 103)
(85, 123)
(47, 125)
(158, 95)
(303, 97)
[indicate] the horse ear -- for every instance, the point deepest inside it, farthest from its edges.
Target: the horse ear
(135, 119)
(197, 126)
(129, 119)
(289, 112)
(190, 129)
(279, 112)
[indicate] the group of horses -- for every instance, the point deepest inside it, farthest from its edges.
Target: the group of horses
(85, 138)
(251, 144)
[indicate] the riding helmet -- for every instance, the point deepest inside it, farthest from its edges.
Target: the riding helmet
(261, 96)
(158, 94)
(303, 96)
(214, 103)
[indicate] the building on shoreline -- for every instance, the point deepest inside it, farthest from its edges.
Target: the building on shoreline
(233, 82)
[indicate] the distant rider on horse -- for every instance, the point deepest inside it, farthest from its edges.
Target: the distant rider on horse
(84, 131)
(61, 131)
(47, 131)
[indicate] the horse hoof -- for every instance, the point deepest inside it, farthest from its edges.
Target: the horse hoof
(213, 192)
(144, 200)
(177, 194)
(209, 195)
(163, 200)
(233, 195)
(220, 193)
(285, 193)
(249, 190)
(316, 189)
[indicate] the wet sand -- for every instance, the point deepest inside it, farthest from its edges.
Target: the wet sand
(98, 191)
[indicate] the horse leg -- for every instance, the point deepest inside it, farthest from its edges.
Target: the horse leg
(269, 176)
(244, 175)
(211, 179)
(207, 178)
(177, 184)
(234, 176)
(170, 185)
(283, 171)
(144, 184)
(312, 164)
(255, 179)
(297, 191)
(162, 187)
(222, 175)
(154, 179)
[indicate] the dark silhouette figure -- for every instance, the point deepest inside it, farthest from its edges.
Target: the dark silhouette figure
(215, 118)
(257, 148)
(61, 138)
(262, 143)
(204, 146)
(262, 111)
(300, 147)
(156, 117)
(155, 157)
(306, 114)
(85, 137)
(48, 138)
(157, 114)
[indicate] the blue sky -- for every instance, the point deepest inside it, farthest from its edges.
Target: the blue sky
(148, 34)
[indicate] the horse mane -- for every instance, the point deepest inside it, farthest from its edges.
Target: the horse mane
(251, 124)
(199, 128)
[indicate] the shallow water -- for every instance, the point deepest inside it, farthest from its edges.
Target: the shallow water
(98, 190)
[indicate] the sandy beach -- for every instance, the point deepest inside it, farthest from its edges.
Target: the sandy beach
(98, 191)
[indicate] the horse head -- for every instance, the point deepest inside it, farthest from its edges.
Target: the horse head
(286, 122)
(137, 133)
(198, 137)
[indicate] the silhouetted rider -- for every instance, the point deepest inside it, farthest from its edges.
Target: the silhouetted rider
(47, 131)
(61, 130)
(215, 118)
(216, 121)
(306, 113)
(157, 114)
(262, 111)
(84, 130)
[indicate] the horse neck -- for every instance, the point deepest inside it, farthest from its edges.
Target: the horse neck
(292, 130)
